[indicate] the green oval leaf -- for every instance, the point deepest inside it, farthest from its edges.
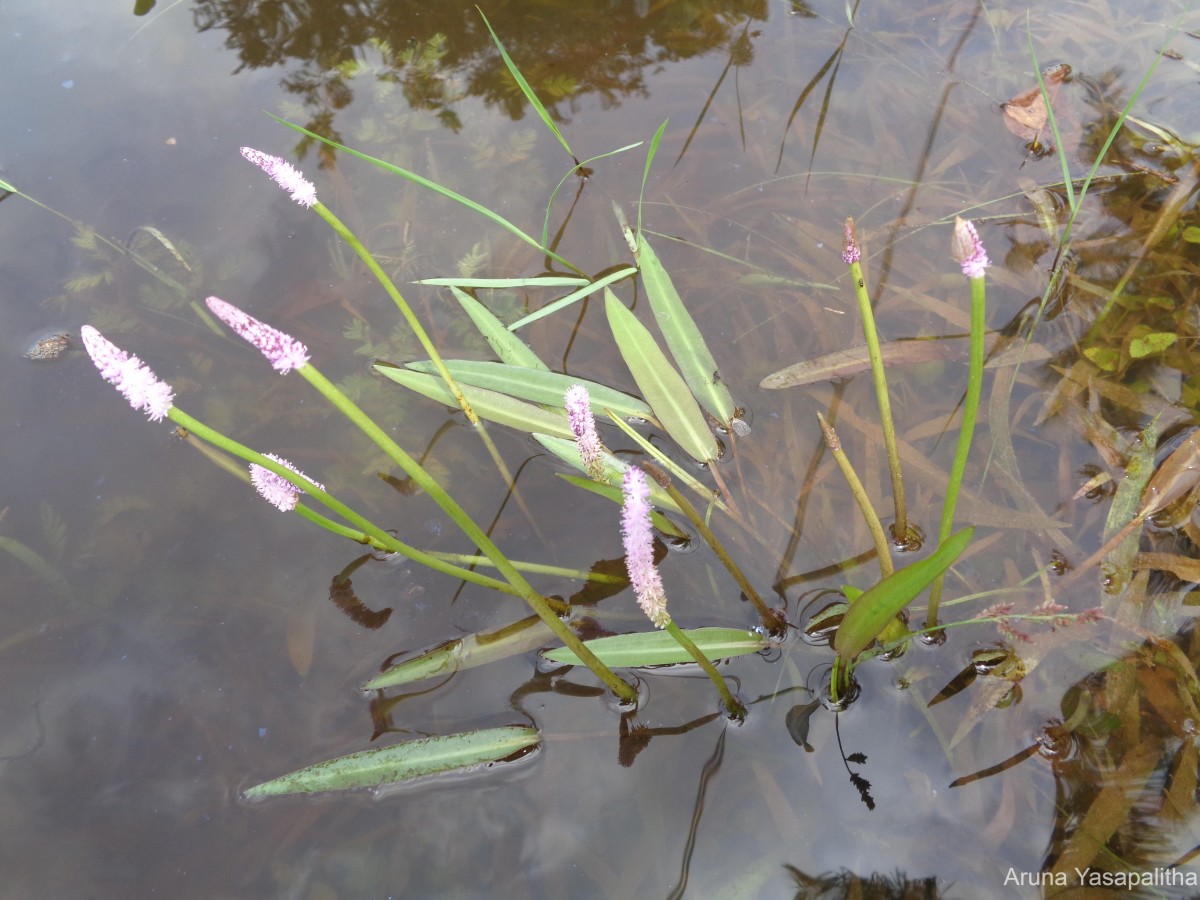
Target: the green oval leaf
(510, 348)
(1149, 344)
(683, 337)
(489, 405)
(657, 648)
(870, 613)
(537, 386)
(401, 762)
(665, 391)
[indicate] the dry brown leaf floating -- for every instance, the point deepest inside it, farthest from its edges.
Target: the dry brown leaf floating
(1025, 114)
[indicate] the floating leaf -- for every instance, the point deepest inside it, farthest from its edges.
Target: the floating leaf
(683, 337)
(466, 653)
(664, 389)
(871, 613)
(658, 648)
(402, 762)
(1025, 114)
(488, 404)
(510, 348)
(537, 386)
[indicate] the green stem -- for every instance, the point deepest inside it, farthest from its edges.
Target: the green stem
(965, 435)
(769, 618)
(405, 310)
(365, 531)
(882, 549)
(428, 484)
(732, 706)
(900, 529)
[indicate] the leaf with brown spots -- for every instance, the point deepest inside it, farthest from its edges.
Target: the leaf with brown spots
(1025, 114)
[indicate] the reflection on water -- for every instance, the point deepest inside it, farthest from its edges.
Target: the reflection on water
(169, 640)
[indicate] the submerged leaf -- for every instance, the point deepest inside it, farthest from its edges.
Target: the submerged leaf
(402, 762)
(683, 337)
(664, 389)
(537, 386)
(658, 648)
(487, 404)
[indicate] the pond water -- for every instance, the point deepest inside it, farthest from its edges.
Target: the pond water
(169, 640)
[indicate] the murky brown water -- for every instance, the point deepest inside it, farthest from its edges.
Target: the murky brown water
(177, 643)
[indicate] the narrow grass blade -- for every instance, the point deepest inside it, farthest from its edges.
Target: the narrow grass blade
(526, 89)
(683, 337)
(402, 762)
(546, 281)
(575, 168)
(466, 653)
(657, 648)
(537, 386)
(661, 386)
(875, 608)
(650, 154)
(614, 470)
(487, 404)
(433, 186)
(511, 349)
(587, 291)
(613, 493)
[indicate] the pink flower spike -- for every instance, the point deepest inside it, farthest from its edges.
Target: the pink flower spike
(285, 175)
(967, 249)
(583, 424)
(639, 548)
(850, 252)
(127, 374)
(276, 489)
(283, 351)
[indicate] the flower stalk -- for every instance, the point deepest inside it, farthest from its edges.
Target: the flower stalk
(278, 347)
(647, 584)
(852, 256)
(968, 250)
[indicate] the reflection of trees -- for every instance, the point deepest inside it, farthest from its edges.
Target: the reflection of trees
(441, 52)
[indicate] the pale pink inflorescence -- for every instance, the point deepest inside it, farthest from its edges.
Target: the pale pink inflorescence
(284, 174)
(967, 249)
(583, 424)
(128, 375)
(850, 251)
(639, 547)
(276, 489)
(283, 351)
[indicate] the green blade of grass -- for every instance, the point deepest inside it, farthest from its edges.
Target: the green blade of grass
(526, 89)
(651, 152)
(506, 345)
(435, 187)
(657, 648)
(575, 168)
(684, 340)
(875, 608)
(587, 291)
(494, 407)
(500, 283)
(402, 762)
(661, 386)
(537, 386)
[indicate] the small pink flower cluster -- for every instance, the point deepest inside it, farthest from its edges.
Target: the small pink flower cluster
(1055, 612)
(276, 489)
(967, 249)
(283, 351)
(639, 548)
(129, 375)
(285, 175)
(583, 425)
